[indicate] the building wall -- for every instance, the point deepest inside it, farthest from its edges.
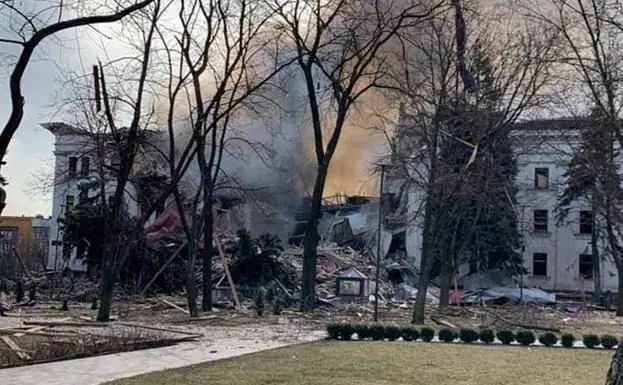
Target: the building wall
(28, 236)
(66, 192)
(562, 242)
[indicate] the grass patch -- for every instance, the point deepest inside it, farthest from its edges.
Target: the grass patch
(374, 363)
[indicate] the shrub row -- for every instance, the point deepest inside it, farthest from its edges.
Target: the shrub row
(379, 332)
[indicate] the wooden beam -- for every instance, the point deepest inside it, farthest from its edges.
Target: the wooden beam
(175, 306)
(62, 323)
(167, 263)
(19, 351)
(160, 329)
(234, 293)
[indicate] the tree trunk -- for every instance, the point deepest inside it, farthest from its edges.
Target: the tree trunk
(425, 266)
(615, 373)
(445, 283)
(191, 290)
(620, 290)
(208, 233)
(308, 287)
(106, 290)
(596, 259)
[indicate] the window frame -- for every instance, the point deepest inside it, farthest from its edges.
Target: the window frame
(85, 171)
(542, 261)
(536, 177)
(589, 258)
(584, 225)
(535, 223)
(72, 167)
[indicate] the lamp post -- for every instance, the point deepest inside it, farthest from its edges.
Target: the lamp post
(378, 248)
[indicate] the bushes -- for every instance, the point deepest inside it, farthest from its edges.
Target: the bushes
(363, 332)
(526, 338)
(487, 336)
(468, 336)
(567, 340)
(380, 332)
(506, 337)
(447, 335)
(410, 333)
(340, 331)
(591, 341)
(427, 334)
(548, 339)
(392, 332)
(608, 341)
(377, 332)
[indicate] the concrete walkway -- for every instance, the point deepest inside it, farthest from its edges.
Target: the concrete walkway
(220, 343)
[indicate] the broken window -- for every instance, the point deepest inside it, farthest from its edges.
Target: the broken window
(541, 178)
(73, 166)
(586, 266)
(85, 168)
(69, 200)
(586, 222)
(539, 264)
(540, 220)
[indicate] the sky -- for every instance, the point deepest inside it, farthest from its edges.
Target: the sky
(31, 150)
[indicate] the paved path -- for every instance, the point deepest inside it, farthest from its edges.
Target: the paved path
(220, 343)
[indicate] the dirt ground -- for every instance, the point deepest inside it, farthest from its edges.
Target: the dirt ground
(153, 311)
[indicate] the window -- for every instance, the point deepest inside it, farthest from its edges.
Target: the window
(40, 232)
(539, 264)
(69, 200)
(586, 222)
(86, 167)
(73, 166)
(586, 266)
(541, 178)
(540, 220)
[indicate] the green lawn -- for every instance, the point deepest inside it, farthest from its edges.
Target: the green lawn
(379, 363)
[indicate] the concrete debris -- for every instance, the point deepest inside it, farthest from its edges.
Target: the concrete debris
(513, 294)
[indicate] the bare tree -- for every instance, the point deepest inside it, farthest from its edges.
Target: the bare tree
(338, 48)
(213, 67)
(28, 30)
(433, 79)
(592, 31)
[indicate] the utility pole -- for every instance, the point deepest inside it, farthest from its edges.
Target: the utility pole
(378, 248)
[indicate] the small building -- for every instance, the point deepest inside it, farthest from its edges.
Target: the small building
(352, 284)
(28, 236)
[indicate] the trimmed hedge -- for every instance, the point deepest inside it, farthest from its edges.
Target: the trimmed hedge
(410, 333)
(468, 336)
(393, 332)
(340, 331)
(377, 332)
(363, 332)
(506, 337)
(380, 332)
(591, 341)
(427, 334)
(567, 340)
(548, 339)
(608, 341)
(526, 338)
(487, 336)
(447, 335)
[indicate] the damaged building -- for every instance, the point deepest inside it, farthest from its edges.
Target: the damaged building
(556, 256)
